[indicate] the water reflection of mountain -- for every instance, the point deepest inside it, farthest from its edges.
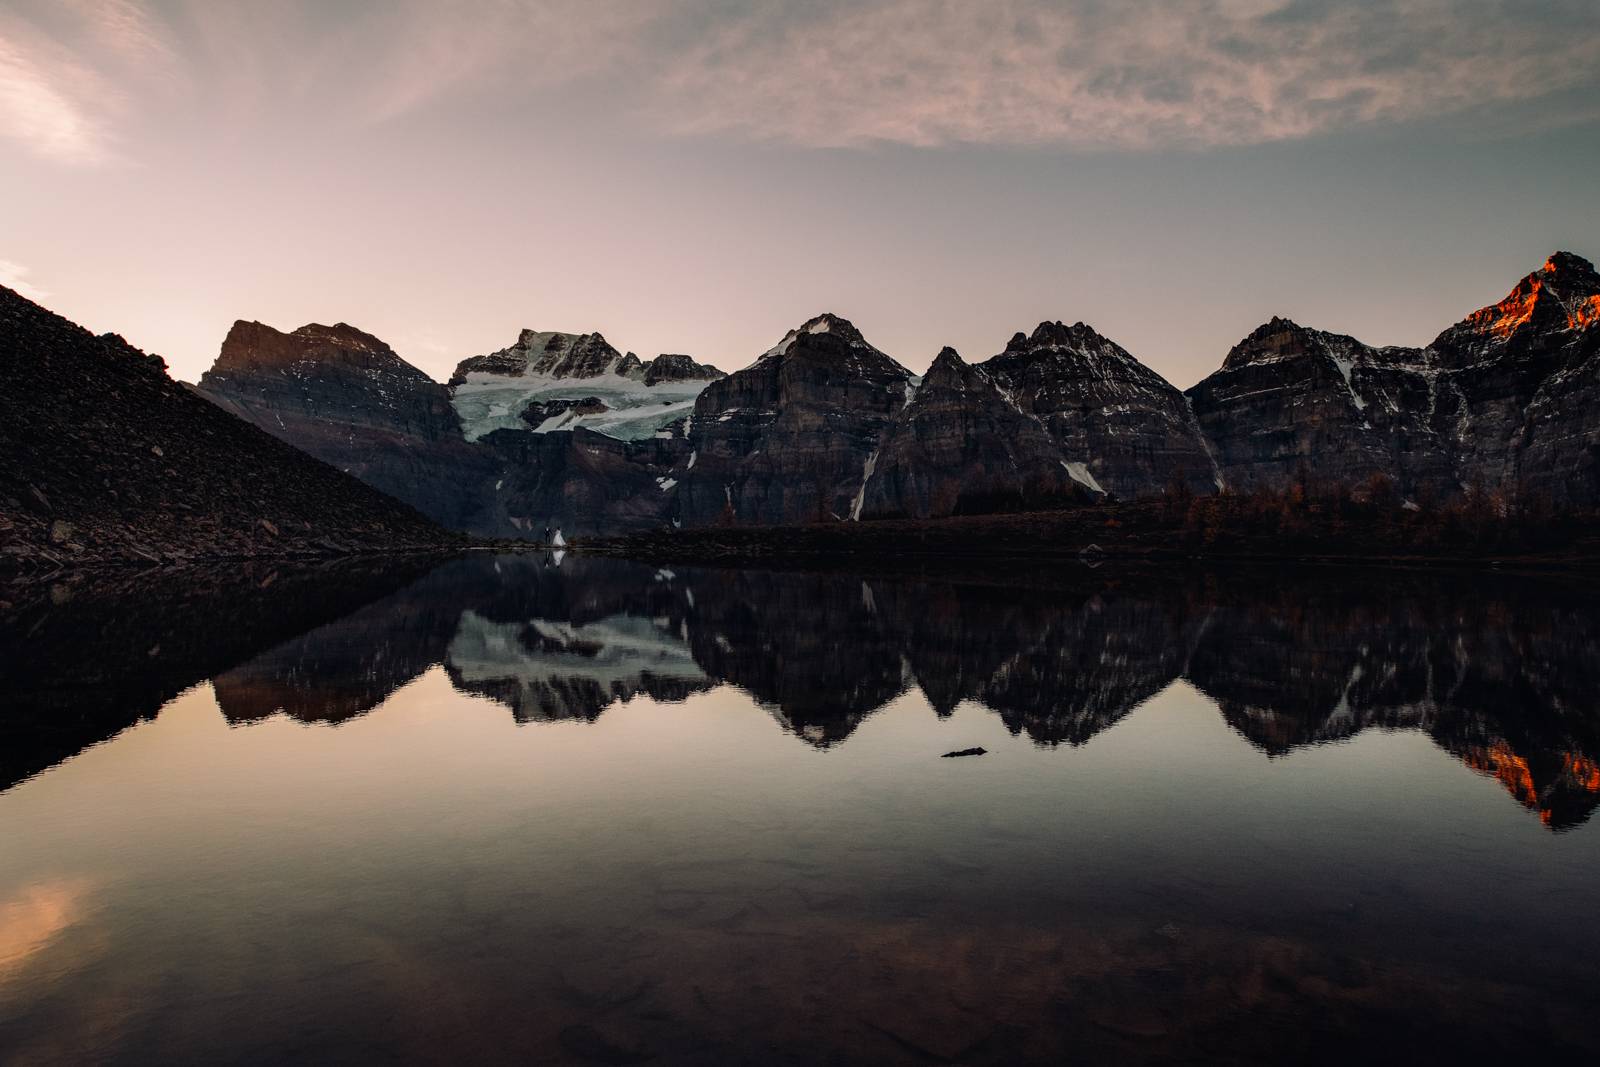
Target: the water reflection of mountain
(82, 660)
(545, 670)
(1499, 671)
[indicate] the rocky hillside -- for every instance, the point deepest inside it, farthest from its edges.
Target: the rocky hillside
(109, 459)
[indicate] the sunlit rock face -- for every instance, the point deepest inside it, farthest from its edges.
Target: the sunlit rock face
(961, 446)
(1504, 401)
(789, 438)
(1122, 426)
(1293, 403)
(550, 381)
(346, 398)
(1519, 382)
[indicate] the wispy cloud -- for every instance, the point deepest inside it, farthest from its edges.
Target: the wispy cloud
(1119, 74)
(14, 276)
(42, 112)
(71, 71)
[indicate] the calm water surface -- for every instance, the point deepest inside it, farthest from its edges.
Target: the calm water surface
(601, 812)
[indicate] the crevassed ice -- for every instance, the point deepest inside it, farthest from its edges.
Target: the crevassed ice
(487, 402)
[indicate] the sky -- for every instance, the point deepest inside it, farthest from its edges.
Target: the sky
(701, 175)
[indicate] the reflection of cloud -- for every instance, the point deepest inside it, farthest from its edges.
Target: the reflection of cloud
(1099, 73)
(32, 919)
(12, 277)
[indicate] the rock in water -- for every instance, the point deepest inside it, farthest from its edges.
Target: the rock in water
(965, 752)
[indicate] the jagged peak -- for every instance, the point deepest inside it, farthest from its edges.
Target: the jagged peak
(1567, 262)
(1274, 339)
(1056, 335)
(1564, 293)
(828, 322)
(947, 370)
(825, 323)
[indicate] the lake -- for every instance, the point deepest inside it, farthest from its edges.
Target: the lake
(574, 810)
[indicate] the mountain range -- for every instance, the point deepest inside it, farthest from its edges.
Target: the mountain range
(563, 431)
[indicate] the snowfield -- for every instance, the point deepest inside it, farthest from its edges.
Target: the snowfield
(487, 402)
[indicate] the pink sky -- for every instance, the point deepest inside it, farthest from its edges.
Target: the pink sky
(697, 177)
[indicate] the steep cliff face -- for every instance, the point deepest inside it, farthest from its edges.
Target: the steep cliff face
(346, 398)
(961, 446)
(1519, 385)
(562, 381)
(1128, 428)
(791, 437)
(1290, 401)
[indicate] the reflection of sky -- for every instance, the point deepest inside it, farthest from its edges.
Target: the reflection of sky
(697, 177)
(435, 852)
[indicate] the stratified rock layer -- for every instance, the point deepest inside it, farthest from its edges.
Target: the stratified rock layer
(1131, 431)
(1294, 403)
(963, 447)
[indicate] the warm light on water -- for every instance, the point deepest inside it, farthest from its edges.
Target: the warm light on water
(779, 865)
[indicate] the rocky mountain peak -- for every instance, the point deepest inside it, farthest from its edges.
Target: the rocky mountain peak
(1058, 335)
(549, 354)
(255, 346)
(1568, 263)
(840, 330)
(830, 323)
(340, 335)
(1277, 338)
(947, 369)
(1562, 295)
(677, 367)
